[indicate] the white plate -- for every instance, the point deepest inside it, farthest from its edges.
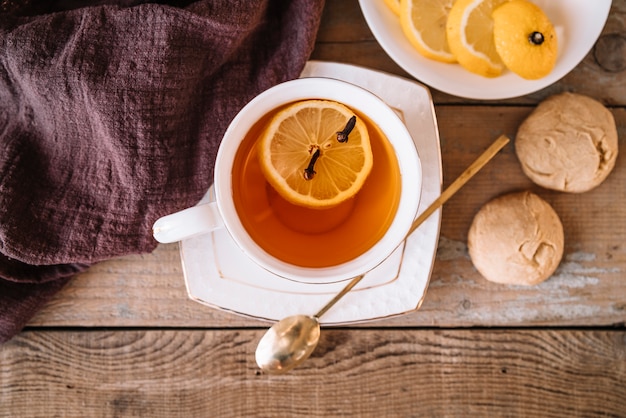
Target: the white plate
(217, 274)
(578, 24)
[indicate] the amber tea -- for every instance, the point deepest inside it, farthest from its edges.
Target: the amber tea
(316, 237)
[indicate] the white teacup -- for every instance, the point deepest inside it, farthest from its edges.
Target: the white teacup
(222, 213)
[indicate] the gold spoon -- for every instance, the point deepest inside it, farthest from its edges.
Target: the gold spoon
(292, 340)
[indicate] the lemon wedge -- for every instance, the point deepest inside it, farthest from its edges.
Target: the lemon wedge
(424, 24)
(470, 35)
(394, 6)
(525, 39)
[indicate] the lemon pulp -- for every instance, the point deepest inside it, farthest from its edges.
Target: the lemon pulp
(302, 157)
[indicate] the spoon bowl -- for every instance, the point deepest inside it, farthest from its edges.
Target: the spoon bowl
(288, 343)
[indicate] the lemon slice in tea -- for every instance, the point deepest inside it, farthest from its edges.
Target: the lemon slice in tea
(525, 39)
(424, 24)
(316, 153)
(470, 36)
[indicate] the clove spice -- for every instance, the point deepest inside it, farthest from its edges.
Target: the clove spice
(536, 38)
(342, 136)
(309, 172)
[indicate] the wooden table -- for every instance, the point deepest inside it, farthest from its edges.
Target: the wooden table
(123, 339)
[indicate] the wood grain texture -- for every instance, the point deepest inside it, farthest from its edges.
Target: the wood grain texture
(587, 289)
(154, 352)
(357, 373)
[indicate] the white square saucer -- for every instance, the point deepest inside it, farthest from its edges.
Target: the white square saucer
(218, 274)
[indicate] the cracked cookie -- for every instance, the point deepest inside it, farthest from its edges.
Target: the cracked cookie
(516, 239)
(568, 143)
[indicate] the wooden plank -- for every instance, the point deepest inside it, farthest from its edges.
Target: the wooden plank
(345, 37)
(588, 289)
(156, 373)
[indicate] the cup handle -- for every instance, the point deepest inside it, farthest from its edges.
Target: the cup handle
(187, 223)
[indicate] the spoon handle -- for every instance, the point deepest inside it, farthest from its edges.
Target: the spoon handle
(469, 172)
(339, 295)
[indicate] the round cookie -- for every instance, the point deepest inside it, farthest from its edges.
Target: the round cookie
(516, 239)
(568, 143)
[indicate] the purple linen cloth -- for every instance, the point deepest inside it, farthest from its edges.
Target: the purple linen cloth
(111, 114)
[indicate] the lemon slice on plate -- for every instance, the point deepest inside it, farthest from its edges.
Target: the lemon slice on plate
(470, 36)
(316, 153)
(394, 6)
(424, 24)
(525, 39)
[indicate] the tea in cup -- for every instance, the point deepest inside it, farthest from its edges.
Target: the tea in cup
(300, 242)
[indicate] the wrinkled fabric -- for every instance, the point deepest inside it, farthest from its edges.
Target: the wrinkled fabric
(111, 116)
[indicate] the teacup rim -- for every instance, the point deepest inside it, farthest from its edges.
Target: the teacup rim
(321, 88)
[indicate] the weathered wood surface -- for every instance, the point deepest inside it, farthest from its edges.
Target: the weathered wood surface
(559, 348)
(588, 288)
(433, 373)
